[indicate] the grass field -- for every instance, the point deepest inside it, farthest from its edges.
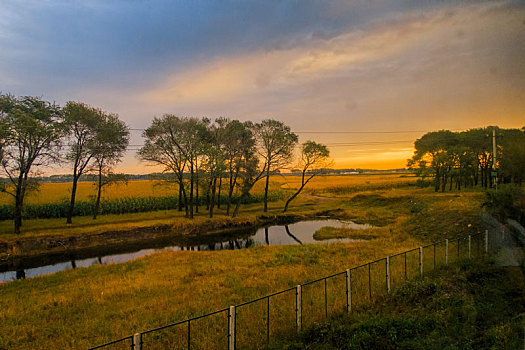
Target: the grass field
(87, 306)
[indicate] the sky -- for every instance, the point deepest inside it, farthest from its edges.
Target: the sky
(372, 75)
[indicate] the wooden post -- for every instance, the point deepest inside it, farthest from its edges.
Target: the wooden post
(348, 291)
(469, 245)
(388, 274)
(446, 251)
(231, 328)
(421, 261)
(486, 241)
(298, 307)
(137, 341)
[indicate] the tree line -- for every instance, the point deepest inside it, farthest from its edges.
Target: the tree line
(201, 153)
(36, 133)
(465, 159)
(198, 153)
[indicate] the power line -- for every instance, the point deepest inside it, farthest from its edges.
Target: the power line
(349, 132)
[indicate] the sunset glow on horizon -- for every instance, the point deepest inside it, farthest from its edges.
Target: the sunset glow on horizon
(391, 70)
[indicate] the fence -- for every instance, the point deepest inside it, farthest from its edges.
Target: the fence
(255, 323)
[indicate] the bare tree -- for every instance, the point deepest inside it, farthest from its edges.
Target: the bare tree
(276, 143)
(314, 157)
(30, 130)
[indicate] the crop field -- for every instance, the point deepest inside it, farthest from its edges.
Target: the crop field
(61, 192)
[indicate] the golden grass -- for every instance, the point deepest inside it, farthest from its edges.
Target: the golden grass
(78, 308)
(61, 192)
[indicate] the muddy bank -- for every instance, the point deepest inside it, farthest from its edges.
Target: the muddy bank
(32, 247)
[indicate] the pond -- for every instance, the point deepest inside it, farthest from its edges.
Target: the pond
(296, 233)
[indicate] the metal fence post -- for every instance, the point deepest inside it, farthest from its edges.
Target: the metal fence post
(469, 245)
(486, 241)
(421, 261)
(446, 251)
(298, 307)
(137, 341)
(369, 283)
(388, 274)
(231, 328)
(348, 291)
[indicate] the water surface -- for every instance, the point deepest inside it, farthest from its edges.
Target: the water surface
(296, 233)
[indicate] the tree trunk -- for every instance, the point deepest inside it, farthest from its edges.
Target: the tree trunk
(208, 193)
(73, 195)
(219, 193)
(99, 193)
(191, 190)
(303, 183)
(266, 190)
(238, 204)
(19, 203)
(292, 198)
(196, 191)
(212, 197)
(180, 196)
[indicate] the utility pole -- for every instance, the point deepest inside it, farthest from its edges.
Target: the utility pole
(494, 173)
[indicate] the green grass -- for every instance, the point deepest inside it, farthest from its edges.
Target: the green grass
(469, 305)
(329, 232)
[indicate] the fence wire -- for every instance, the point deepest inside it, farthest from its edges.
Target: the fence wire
(257, 323)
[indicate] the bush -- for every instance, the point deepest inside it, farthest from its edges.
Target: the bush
(506, 203)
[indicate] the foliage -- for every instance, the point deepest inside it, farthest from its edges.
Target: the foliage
(275, 145)
(314, 157)
(461, 159)
(508, 202)
(30, 132)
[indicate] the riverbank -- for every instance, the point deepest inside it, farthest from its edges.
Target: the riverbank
(423, 213)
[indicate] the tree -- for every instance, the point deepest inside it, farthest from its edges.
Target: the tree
(110, 143)
(276, 143)
(235, 138)
(84, 123)
(176, 144)
(161, 148)
(314, 157)
(512, 160)
(250, 173)
(30, 130)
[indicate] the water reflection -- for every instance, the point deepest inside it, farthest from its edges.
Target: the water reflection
(240, 239)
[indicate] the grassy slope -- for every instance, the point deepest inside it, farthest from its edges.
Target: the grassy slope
(464, 306)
